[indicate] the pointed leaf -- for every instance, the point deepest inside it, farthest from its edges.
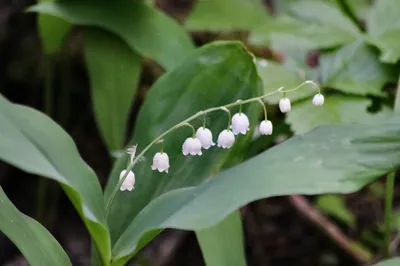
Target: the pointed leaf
(144, 29)
(32, 142)
(330, 159)
(114, 71)
(23, 231)
(217, 74)
(222, 244)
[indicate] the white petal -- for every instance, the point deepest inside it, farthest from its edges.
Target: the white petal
(205, 137)
(266, 127)
(240, 123)
(129, 181)
(318, 99)
(284, 105)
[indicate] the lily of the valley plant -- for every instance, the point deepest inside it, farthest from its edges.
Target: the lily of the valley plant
(203, 137)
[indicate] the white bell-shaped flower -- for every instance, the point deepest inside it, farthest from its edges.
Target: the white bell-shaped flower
(226, 139)
(318, 99)
(266, 127)
(129, 181)
(240, 124)
(191, 146)
(205, 137)
(284, 105)
(160, 162)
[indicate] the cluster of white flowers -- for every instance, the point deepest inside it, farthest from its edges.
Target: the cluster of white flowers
(203, 139)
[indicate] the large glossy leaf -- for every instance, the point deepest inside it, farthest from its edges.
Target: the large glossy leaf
(384, 28)
(210, 15)
(33, 240)
(216, 74)
(114, 71)
(330, 159)
(391, 262)
(336, 110)
(354, 69)
(222, 245)
(52, 31)
(32, 142)
(144, 29)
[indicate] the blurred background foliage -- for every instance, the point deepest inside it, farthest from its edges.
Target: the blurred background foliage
(92, 72)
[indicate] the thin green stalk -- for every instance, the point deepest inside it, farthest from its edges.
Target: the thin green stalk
(388, 211)
(43, 183)
(186, 123)
(390, 181)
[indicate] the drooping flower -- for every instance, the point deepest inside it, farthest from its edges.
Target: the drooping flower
(284, 105)
(160, 162)
(240, 124)
(129, 181)
(226, 139)
(205, 137)
(318, 99)
(266, 127)
(191, 146)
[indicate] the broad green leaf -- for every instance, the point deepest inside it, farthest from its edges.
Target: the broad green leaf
(384, 28)
(52, 31)
(145, 29)
(222, 244)
(37, 245)
(354, 69)
(114, 71)
(226, 15)
(390, 262)
(315, 25)
(335, 206)
(324, 13)
(32, 142)
(330, 159)
(336, 110)
(275, 76)
(217, 74)
(360, 8)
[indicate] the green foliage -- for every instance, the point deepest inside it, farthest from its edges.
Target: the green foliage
(222, 245)
(114, 71)
(216, 74)
(336, 110)
(33, 240)
(52, 31)
(391, 262)
(146, 30)
(384, 28)
(332, 159)
(34, 143)
(335, 206)
(354, 69)
(226, 15)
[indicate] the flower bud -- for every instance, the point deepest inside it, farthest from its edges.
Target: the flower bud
(284, 105)
(205, 137)
(129, 181)
(226, 139)
(266, 127)
(318, 99)
(191, 146)
(160, 162)
(240, 124)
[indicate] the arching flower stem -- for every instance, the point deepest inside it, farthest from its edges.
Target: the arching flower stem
(186, 123)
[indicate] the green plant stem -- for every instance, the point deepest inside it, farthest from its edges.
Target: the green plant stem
(390, 181)
(388, 211)
(186, 123)
(48, 96)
